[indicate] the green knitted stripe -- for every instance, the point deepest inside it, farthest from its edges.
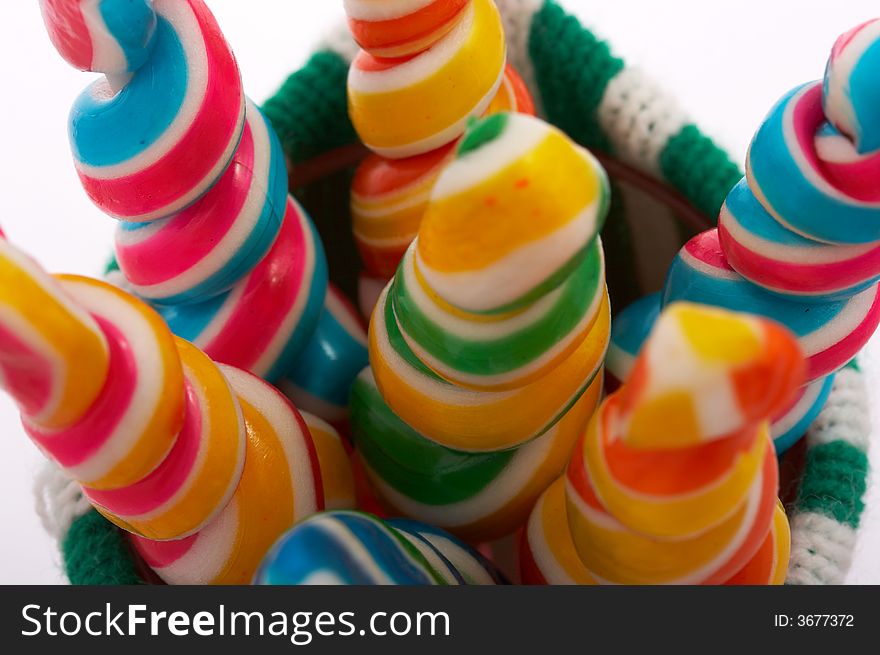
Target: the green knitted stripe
(96, 553)
(310, 110)
(834, 482)
(572, 69)
(699, 169)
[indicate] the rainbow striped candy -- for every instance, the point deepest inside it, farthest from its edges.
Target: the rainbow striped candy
(141, 165)
(353, 548)
(402, 27)
(280, 485)
(104, 36)
(477, 496)
(265, 321)
(675, 479)
(168, 445)
(829, 333)
(537, 202)
(412, 105)
(210, 235)
(205, 249)
(321, 379)
(632, 326)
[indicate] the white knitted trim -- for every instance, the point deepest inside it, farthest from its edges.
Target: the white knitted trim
(517, 16)
(639, 118)
(846, 415)
(58, 501)
(821, 550)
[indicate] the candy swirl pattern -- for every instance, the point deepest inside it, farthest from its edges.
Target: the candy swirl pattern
(401, 42)
(165, 443)
(354, 548)
(457, 422)
(805, 223)
(639, 510)
(208, 233)
(632, 326)
(413, 104)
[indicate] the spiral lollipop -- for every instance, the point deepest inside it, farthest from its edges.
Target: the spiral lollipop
(164, 442)
(485, 344)
(207, 233)
(412, 50)
(631, 328)
(675, 480)
(805, 224)
(352, 548)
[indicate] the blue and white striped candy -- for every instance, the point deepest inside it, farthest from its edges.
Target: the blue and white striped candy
(353, 548)
(321, 379)
(103, 36)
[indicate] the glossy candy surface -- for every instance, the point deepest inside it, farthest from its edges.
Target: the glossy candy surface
(138, 165)
(639, 510)
(103, 36)
(321, 379)
(632, 326)
(830, 333)
(478, 496)
(280, 485)
(465, 337)
(353, 548)
(414, 104)
(209, 234)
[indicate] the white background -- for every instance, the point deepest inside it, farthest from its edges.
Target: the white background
(726, 62)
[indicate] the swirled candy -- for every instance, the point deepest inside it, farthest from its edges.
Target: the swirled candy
(536, 201)
(141, 165)
(830, 333)
(783, 262)
(266, 319)
(321, 379)
(850, 96)
(104, 36)
(209, 234)
(814, 161)
(205, 249)
(177, 450)
(503, 290)
(675, 480)
(401, 27)
(280, 485)
(388, 200)
(632, 326)
(412, 105)
(477, 496)
(352, 548)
